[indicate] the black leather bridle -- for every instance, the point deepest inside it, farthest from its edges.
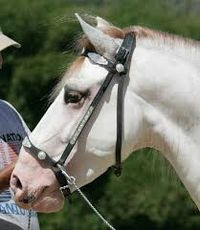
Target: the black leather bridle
(118, 69)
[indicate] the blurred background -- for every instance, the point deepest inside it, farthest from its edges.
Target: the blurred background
(148, 195)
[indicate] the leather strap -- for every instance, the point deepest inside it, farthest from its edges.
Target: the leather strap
(124, 56)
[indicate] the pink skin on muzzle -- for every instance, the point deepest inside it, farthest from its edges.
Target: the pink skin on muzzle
(43, 193)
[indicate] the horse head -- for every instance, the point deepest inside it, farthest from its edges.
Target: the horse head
(94, 151)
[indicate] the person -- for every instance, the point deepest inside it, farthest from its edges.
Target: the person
(12, 131)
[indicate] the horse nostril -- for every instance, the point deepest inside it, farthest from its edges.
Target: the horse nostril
(21, 193)
(19, 184)
(16, 182)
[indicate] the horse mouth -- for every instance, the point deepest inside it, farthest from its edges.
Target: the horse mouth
(43, 201)
(29, 199)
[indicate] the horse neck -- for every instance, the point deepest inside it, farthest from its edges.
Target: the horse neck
(166, 84)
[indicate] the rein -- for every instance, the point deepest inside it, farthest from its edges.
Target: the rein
(118, 69)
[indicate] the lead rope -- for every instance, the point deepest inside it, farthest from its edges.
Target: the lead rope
(71, 181)
(29, 219)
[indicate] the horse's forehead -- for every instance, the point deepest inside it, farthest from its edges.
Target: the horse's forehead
(86, 74)
(75, 67)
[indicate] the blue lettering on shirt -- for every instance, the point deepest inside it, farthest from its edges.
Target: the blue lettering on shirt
(5, 196)
(12, 208)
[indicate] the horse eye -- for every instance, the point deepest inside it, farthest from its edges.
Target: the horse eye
(72, 96)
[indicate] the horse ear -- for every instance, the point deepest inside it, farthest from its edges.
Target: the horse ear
(103, 43)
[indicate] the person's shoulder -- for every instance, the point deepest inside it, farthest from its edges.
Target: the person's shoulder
(8, 111)
(7, 106)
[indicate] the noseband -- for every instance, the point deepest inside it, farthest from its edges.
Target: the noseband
(118, 69)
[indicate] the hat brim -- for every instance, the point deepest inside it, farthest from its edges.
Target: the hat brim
(5, 42)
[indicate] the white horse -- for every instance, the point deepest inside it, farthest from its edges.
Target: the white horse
(161, 110)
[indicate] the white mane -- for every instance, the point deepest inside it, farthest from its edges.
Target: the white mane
(178, 46)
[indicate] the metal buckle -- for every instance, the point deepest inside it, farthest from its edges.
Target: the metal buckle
(63, 188)
(26, 143)
(122, 54)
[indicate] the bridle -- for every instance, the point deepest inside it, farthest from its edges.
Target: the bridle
(118, 69)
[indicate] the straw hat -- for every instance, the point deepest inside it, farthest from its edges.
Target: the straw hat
(5, 42)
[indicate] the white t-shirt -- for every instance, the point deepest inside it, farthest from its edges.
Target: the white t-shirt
(12, 131)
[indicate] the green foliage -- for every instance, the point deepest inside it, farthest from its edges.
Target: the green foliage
(144, 197)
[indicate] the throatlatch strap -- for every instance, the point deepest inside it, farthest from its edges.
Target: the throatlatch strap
(124, 56)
